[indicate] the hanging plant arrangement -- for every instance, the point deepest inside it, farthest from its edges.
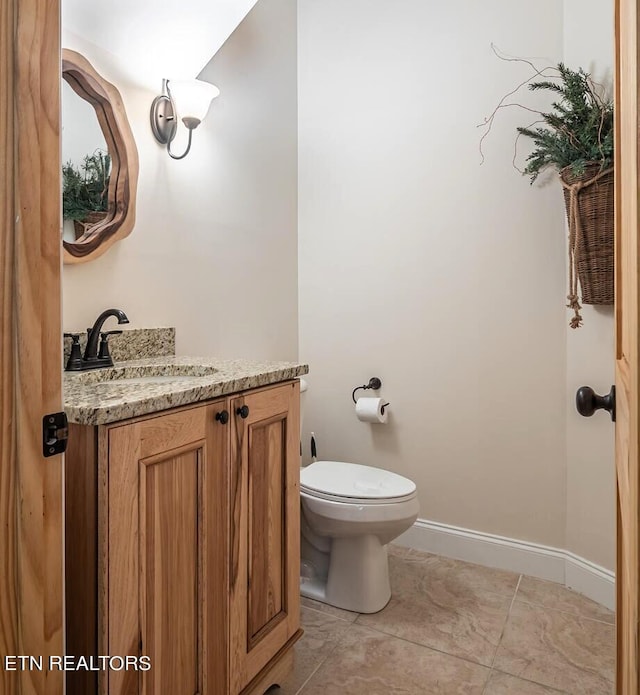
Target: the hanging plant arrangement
(576, 139)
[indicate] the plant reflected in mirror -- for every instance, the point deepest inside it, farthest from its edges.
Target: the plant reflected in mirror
(85, 191)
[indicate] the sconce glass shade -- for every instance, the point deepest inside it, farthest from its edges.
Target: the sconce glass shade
(192, 98)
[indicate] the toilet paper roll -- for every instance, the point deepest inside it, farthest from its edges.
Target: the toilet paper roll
(370, 410)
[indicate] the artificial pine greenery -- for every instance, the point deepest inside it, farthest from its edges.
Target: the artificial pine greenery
(579, 131)
(85, 189)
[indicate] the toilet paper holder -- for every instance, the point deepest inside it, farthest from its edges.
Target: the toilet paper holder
(374, 383)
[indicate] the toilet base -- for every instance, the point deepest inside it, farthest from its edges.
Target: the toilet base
(358, 576)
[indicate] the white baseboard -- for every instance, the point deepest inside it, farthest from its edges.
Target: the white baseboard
(542, 561)
(595, 582)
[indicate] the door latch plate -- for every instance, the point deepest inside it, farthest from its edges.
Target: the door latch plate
(55, 433)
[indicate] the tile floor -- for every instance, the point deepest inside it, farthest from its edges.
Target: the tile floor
(454, 627)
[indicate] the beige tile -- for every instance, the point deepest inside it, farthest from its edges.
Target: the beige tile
(369, 663)
(397, 550)
(503, 684)
(556, 596)
(465, 623)
(557, 649)
(350, 616)
(414, 573)
(453, 606)
(322, 633)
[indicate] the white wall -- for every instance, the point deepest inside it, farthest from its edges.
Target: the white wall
(591, 511)
(214, 249)
(442, 277)
(153, 39)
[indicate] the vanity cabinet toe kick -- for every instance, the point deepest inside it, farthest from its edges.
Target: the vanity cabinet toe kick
(182, 546)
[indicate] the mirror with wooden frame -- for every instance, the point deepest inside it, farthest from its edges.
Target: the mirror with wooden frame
(100, 179)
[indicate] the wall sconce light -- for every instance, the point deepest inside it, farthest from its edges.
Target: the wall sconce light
(187, 99)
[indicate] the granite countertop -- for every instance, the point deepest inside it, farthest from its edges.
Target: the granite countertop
(90, 400)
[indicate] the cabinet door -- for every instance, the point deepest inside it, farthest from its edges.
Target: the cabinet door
(265, 528)
(167, 549)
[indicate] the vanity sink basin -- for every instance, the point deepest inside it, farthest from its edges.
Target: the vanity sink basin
(146, 374)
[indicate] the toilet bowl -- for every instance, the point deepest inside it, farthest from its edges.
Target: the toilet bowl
(349, 513)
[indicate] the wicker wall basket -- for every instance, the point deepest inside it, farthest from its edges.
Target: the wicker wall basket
(589, 203)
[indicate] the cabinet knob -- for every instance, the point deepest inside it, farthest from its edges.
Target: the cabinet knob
(222, 417)
(243, 412)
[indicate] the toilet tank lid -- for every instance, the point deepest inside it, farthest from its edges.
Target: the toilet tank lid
(355, 481)
(303, 385)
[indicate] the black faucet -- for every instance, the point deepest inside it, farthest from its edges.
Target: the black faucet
(94, 359)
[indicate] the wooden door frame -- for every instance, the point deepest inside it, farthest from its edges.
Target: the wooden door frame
(627, 358)
(31, 550)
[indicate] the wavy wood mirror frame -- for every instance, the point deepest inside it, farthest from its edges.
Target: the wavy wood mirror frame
(78, 72)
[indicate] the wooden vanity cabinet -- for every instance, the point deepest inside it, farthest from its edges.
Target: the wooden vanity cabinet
(194, 562)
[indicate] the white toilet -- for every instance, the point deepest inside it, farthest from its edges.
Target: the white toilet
(349, 513)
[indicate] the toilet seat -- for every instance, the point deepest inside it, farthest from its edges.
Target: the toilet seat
(353, 483)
